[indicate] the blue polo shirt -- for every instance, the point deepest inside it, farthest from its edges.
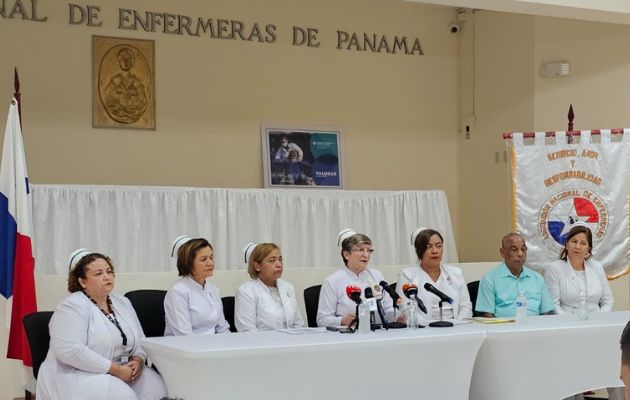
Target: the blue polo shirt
(499, 288)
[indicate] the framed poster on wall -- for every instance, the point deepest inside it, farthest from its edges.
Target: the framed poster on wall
(305, 157)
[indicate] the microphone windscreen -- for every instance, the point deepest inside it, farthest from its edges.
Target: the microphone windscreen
(351, 289)
(368, 293)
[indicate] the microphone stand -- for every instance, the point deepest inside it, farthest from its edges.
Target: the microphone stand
(373, 325)
(355, 321)
(441, 323)
(381, 314)
(395, 324)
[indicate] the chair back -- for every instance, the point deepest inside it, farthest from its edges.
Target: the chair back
(228, 311)
(36, 327)
(149, 306)
(473, 290)
(311, 303)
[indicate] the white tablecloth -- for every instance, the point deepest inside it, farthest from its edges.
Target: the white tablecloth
(263, 365)
(549, 357)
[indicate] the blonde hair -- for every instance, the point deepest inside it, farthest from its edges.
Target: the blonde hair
(261, 251)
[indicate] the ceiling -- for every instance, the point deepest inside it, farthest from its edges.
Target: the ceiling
(612, 11)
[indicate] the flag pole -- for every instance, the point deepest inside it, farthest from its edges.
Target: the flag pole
(17, 280)
(17, 94)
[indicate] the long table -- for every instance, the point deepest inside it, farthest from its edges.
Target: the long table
(547, 357)
(260, 365)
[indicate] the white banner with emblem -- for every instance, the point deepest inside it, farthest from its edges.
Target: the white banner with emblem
(556, 184)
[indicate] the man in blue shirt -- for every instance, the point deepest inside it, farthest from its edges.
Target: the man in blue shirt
(499, 288)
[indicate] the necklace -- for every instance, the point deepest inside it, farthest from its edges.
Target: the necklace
(111, 316)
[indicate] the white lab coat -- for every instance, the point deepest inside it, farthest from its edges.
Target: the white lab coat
(83, 344)
(255, 308)
(565, 286)
(451, 282)
(334, 303)
(193, 309)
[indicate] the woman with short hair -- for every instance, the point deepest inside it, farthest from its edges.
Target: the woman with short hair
(95, 336)
(335, 307)
(428, 244)
(266, 302)
(193, 305)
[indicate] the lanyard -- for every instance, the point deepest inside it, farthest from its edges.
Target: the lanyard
(111, 317)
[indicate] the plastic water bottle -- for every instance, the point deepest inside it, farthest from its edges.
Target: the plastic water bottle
(364, 318)
(582, 310)
(411, 316)
(521, 307)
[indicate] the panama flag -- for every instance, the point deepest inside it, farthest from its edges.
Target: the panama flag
(17, 280)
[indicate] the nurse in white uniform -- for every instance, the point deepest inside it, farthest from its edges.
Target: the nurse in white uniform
(266, 302)
(335, 307)
(95, 336)
(193, 305)
(576, 274)
(428, 244)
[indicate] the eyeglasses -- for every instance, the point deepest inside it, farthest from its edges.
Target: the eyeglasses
(363, 251)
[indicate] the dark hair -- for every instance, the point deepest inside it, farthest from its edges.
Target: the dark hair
(576, 230)
(355, 240)
(422, 241)
(81, 267)
(625, 345)
(186, 255)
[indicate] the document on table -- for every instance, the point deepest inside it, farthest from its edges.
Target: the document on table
(459, 321)
(303, 331)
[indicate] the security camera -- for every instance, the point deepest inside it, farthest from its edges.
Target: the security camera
(453, 28)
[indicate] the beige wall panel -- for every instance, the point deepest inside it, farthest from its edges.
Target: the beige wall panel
(398, 112)
(599, 83)
(503, 101)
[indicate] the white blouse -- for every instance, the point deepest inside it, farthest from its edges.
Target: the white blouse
(83, 345)
(565, 286)
(258, 307)
(451, 282)
(192, 309)
(334, 304)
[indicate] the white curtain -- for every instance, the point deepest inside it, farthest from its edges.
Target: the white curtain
(136, 225)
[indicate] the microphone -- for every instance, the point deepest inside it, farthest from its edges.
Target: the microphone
(354, 293)
(392, 293)
(411, 291)
(397, 301)
(378, 295)
(432, 289)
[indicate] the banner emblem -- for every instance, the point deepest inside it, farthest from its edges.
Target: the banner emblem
(563, 209)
